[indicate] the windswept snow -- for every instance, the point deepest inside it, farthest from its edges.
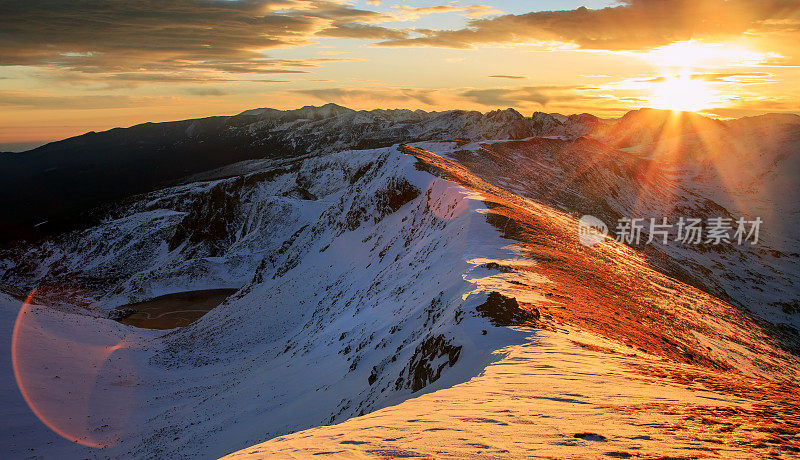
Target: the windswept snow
(548, 398)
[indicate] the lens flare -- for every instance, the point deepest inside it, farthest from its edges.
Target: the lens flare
(74, 379)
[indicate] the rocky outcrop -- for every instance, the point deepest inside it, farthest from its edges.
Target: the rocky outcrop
(210, 219)
(505, 311)
(385, 201)
(430, 357)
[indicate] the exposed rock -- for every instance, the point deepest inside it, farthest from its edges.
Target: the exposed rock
(498, 267)
(591, 437)
(385, 201)
(428, 361)
(210, 218)
(505, 311)
(395, 195)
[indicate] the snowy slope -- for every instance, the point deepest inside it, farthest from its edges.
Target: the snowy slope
(354, 311)
(448, 268)
(550, 398)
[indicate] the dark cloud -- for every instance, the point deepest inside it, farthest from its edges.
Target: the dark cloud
(634, 25)
(510, 77)
(514, 97)
(206, 91)
(123, 36)
(364, 31)
(501, 97)
(209, 90)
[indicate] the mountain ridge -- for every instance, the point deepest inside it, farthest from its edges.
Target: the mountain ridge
(424, 272)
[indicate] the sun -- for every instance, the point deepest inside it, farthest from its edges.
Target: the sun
(687, 70)
(682, 93)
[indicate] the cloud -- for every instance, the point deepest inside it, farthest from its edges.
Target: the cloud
(117, 44)
(364, 31)
(206, 91)
(524, 96)
(176, 37)
(91, 83)
(118, 36)
(96, 78)
(756, 105)
(179, 37)
(741, 78)
(41, 100)
(384, 95)
(412, 13)
(510, 77)
(634, 25)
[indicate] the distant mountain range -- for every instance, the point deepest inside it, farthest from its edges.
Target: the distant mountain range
(53, 187)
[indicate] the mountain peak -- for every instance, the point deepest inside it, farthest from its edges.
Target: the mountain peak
(507, 114)
(309, 111)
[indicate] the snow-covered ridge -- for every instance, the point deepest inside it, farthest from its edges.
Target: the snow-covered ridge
(349, 302)
(364, 280)
(740, 174)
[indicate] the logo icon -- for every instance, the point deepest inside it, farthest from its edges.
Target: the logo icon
(591, 230)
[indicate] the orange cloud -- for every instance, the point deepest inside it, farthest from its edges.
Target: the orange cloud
(634, 25)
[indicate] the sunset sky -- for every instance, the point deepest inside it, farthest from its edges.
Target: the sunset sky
(67, 67)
